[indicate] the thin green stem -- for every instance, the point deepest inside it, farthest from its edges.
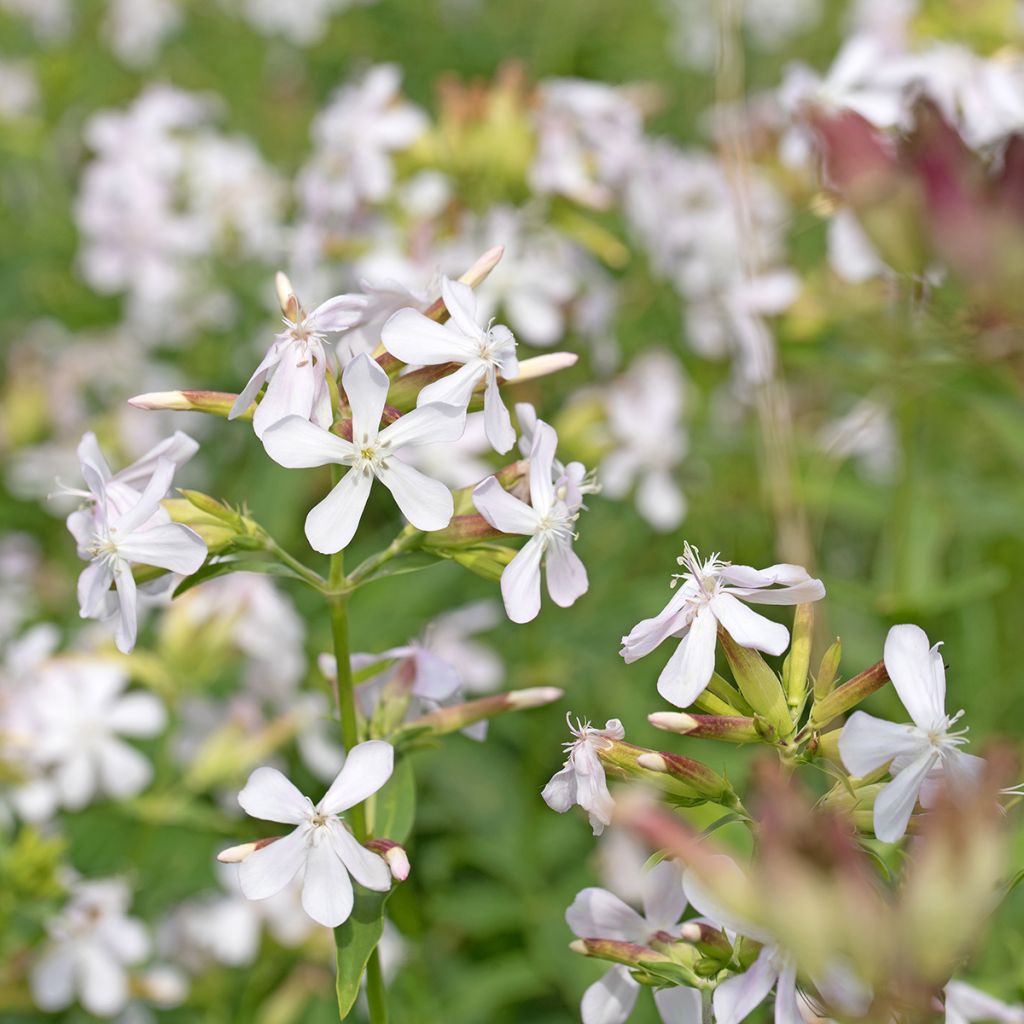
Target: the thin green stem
(406, 539)
(376, 997)
(314, 579)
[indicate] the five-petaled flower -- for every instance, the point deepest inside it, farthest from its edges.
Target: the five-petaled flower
(920, 756)
(712, 595)
(581, 779)
(298, 444)
(320, 844)
(548, 521)
(483, 352)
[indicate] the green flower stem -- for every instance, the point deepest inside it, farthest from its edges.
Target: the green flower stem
(314, 579)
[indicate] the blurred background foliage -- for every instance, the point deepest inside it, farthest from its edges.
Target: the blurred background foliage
(940, 544)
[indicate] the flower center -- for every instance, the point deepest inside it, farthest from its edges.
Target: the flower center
(705, 574)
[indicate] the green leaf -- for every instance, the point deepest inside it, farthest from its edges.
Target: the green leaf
(229, 565)
(394, 807)
(354, 941)
(726, 819)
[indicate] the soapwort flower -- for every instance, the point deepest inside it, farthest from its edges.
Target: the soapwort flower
(711, 593)
(548, 521)
(123, 528)
(320, 845)
(296, 443)
(581, 779)
(922, 755)
(482, 352)
(598, 913)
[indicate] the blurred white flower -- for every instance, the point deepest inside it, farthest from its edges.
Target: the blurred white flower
(299, 444)
(321, 844)
(302, 22)
(50, 20)
(599, 914)
(966, 1004)
(482, 354)
(712, 594)
(867, 434)
(548, 521)
(921, 756)
(581, 779)
(91, 945)
(850, 252)
(19, 90)
(645, 406)
(136, 29)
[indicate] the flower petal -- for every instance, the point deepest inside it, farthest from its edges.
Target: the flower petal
(265, 872)
(560, 792)
(866, 743)
(598, 914)
(460, 302)
(295, 443)
(917, 673)
(338, 313)
(122, 769)
(502, 510)
(292, 389)
(895, 802)
(680, 1005)
(367, 767)
(787, 1010)
(170, 546)
(747, 627)
(252, 388)
(178, 449)
(426, 503)
(269, 796)
(93, 588)
(366, 867)
(456, 388)
(52, 978)
(610, 1000)
(737, 997)
(126, 628)
(366, 388)
(566, 573)
(103, 984)
(149, 501)
(332, 523)
(497, 422)
(432, 423)
(663, 897)
(326, 889)
(542, 458)
(416, 339)
(692, 665)
(520, 582)
(137, 714)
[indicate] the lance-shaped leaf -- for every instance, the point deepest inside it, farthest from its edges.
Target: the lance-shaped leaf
(354, 942)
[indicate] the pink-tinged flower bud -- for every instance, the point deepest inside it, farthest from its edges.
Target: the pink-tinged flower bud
(710, 940)
(849, 695)
(216, 403)
(458, 716)
(695, 774)
(286, 297)
(731, 728)
(395, 855)
(462, 531)
(476, 275)
(619, 952)
(236, 854)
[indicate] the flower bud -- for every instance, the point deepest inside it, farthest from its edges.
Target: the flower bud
(462, 532)
(236, 854)
(216, 403)
(695, 774)
(732, 728)
(458, 716)
(395, 855)
(758, 684)
(708, 939)
(849, 695)
(286, 296)
(827, 670)
(632, 954)
(798, 661)
(486, 560)
(214, 508)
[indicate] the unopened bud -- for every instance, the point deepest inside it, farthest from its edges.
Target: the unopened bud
(695, 774)
(758, 683)
(236, 854)
(286, 296)
(630, 953)
(534, 697)
(458, 716)
(485, 560)
(827, 670)
(544, 366)
(462, 531)
(395, 856)
(849, 695)
(710, 940)
(798, 662)
(730, 728)
(212, 507)
(216, 403)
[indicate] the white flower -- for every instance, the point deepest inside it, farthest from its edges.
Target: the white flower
(966, 1004)
(572, 481)
(922, 755)
(320, 844)
(599, 914)
(124, 528)
(451, 638)
(711, 594)
(298, 444)
(91, 943)
(295, 367)
(548, 521)
(582, 779)
(81, 713)
(483, 354)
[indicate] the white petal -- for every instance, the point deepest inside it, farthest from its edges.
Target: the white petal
(103, 983)
(895, 801)
(367, 767)
(973, 1004)
(366, 867)
(171, 546)
(252, 388)
(504, 511)
(566, 574)
(692, 665)
(736, 998)
(747, 627)
(327, 888)
(126, 628)
(149, 501)
(292, 389)
(338, 313)
(137, 714)
(917, 673)
(416, 339)
(269, 796)
(295, 443)
(93, 587)
(679, 1005)
(660, 501)
(91, 459)
(560, 792)
(675, 617)
(366, 388)
(598, 914)
(787, 1010)
(433, 423)
(332, 523)
(702, 899)
(610, 1000)
(456, 388)
(178, 449)
(497, 422)
(663, 896)
(52, 978)
(460, 302)
(520, 583)
(426, 503)
(76, 781)
(266, 871)
(542, 458)
(866, 743)
(123, 770)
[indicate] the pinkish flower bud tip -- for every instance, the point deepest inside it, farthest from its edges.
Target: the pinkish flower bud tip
(534, 697)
